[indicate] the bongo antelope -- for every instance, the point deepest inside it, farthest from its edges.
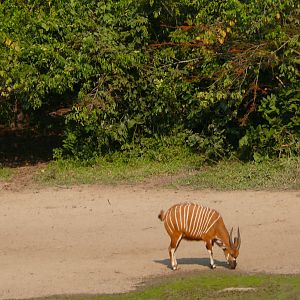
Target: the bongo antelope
(195, 222)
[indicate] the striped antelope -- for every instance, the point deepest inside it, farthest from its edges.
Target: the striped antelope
(195, 222)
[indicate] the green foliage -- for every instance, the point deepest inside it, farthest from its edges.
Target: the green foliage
(51, 52)
(224, 74)
(5, 173)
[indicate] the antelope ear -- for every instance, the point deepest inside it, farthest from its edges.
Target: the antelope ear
(230, 238)
(239, 240)
(235, 243)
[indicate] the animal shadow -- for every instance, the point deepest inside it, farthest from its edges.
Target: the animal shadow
(192, 261)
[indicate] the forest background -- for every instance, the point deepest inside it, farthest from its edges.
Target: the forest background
(220, 78)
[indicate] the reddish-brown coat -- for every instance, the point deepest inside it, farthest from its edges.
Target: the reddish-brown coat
(194, 222)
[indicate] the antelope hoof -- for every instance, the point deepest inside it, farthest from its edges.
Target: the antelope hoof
(213, 266)
(174, 268)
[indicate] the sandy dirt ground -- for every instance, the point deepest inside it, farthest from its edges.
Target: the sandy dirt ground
(108, 239)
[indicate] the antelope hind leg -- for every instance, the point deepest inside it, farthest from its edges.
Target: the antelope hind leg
(175, 240)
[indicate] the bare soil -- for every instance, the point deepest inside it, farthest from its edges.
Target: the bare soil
(108, 239)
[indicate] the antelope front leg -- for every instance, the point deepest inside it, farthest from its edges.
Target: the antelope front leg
(209, 249)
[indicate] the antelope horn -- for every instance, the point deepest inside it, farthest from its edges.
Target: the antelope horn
(230, 238)
(239, 238)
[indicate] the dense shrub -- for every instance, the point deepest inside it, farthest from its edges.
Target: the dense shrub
(224, 74)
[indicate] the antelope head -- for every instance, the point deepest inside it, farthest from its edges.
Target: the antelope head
(232, 253)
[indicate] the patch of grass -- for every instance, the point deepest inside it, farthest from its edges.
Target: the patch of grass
(215, 286)
(118, 168)
(5, 173)
(176, 160)
(236, 175)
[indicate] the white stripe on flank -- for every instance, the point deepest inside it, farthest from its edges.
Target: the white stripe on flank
(199, 221)
(167, 225)
(166, 222)
(167, 214)
(184, 217)
(191, 220)
(213, 223)
(175, 216)
(209, 215)
(199, 232)
(209, 220)
(187, 223)
(205, 220)
(196, 220)
(209, 211)
(171, 222)
(180, 207)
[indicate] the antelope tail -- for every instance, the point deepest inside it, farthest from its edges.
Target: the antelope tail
(161, 215)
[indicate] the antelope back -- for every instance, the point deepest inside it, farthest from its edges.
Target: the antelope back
(193, 221)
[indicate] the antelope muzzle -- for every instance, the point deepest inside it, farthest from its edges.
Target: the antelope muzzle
(232, 264)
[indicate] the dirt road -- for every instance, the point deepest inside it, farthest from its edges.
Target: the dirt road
(104, 239)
